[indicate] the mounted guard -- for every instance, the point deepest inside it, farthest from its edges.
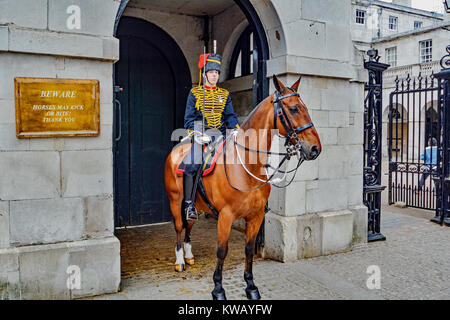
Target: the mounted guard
(237, 189)
(208, 108)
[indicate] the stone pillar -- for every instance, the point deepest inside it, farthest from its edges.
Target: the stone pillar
(321, 212)
(56, 194)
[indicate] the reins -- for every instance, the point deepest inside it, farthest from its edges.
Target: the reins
(291, 149)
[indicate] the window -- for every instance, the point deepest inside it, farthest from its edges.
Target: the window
(360, 16)
(391, 56)
(242, 58)
(417, 24)
(393, 23)
(425, 51)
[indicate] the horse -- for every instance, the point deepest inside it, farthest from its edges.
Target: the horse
(238, 190)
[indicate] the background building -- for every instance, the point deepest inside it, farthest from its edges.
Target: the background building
(412, 42)
(373, 19)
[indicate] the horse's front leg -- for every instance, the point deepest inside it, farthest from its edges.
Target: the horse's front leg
(175, 206)
(251, 230)
(188, 256)
(223, 232)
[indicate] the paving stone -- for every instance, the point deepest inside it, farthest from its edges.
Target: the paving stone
(413, 262)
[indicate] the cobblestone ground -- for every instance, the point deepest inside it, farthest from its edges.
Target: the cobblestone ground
(148, 253)
(414, 264)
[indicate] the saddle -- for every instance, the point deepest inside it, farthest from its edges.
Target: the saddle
(210, 153)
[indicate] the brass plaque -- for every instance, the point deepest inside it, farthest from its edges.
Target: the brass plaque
(57, 107)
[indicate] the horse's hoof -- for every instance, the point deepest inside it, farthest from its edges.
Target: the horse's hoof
(190, 261)
(220, 295)
(252, 293)
(179, 267)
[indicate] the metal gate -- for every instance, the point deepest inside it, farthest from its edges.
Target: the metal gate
(442, 176)
(419, 142)
(413, 135)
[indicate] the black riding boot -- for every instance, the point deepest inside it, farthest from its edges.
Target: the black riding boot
(189, 194)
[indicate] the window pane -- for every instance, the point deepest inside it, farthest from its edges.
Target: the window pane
(238, 71)
(391, 56)
(425, 51)
(393, 23)
(360, 16)
(242, 58)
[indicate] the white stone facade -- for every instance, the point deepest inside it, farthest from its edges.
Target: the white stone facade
(56, 193)
(324, 195)
(377, 25)
(408, 63)
(56, 203)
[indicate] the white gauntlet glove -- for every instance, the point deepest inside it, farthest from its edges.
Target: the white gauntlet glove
(202, 138)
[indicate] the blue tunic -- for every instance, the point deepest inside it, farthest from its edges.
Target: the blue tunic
(219, 115)
(219, 112)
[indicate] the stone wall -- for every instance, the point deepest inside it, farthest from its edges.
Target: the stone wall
(321, 212)
(56, 194)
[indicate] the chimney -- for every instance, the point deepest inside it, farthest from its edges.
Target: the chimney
(406, 3)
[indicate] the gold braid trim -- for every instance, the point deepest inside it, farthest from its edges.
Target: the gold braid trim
(215, 101)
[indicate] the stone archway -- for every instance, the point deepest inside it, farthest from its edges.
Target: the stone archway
(155, 81)
(187, 32)
(263, 15)
(430, 121)
(400, 128)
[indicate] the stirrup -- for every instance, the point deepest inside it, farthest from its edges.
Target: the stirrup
(191, 216)
(191, 213)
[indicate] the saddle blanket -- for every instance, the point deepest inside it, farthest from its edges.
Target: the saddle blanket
(210, 160)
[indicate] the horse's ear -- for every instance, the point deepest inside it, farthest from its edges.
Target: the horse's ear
(295, 85)
(277, 83)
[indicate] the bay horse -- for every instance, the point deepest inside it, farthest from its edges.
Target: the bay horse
(234, 188)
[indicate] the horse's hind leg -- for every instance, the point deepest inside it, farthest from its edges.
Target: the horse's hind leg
(188, 256)
(176, 211)
(251, 230)
(223, 230)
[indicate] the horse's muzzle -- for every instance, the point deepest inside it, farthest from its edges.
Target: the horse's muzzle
(313, 153)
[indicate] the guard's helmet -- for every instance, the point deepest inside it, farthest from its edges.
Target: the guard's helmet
(210, 61)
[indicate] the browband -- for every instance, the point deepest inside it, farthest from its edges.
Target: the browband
(278, 99)
(279, 111)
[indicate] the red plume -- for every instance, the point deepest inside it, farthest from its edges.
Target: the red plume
(202, 61)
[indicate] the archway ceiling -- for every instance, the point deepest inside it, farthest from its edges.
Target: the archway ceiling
(188, 7)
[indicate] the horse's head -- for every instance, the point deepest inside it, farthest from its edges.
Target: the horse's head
(293, 120)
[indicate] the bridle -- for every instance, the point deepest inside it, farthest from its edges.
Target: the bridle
(291, 149)
(292, 134)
